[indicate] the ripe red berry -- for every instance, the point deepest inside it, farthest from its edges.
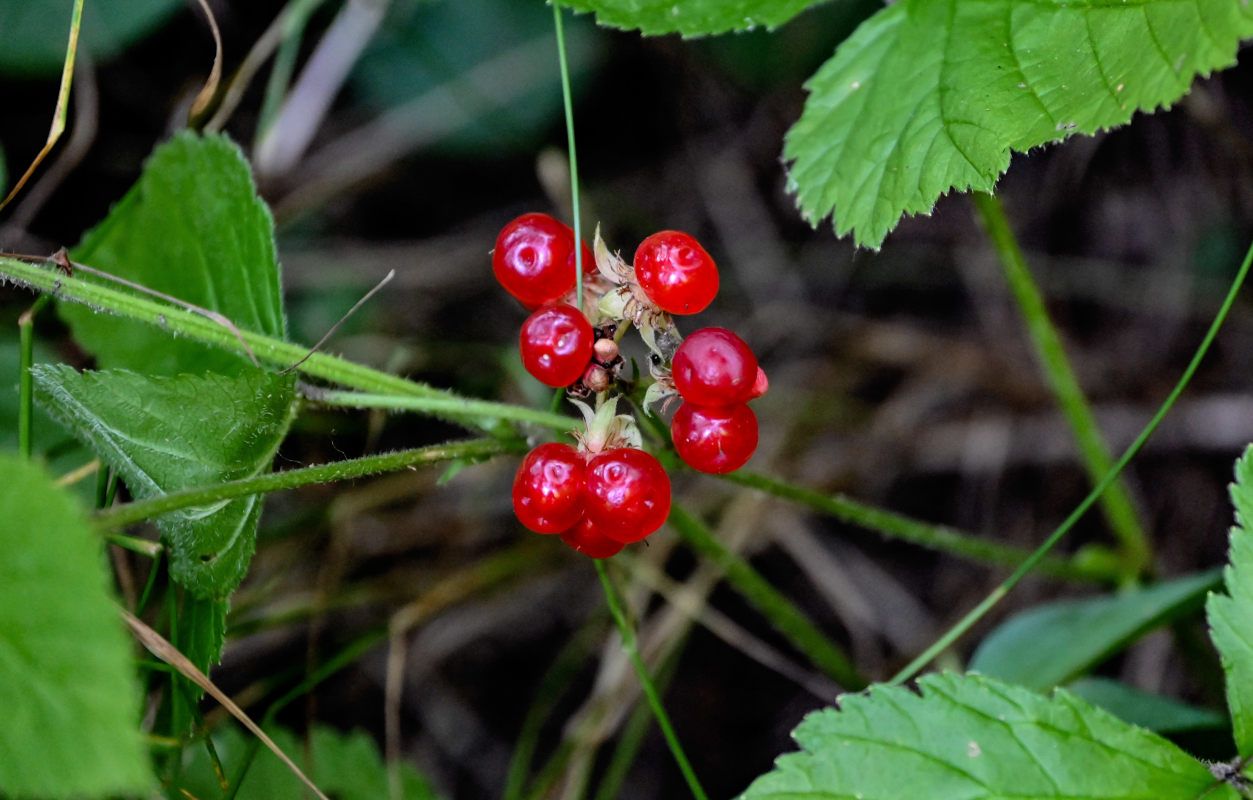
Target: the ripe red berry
(714, 439)
(675, 272)
(627, 495)
(714, 367)
(534, 259)
(548, 489)
(556, 344)
(587, 540)
(761, 385)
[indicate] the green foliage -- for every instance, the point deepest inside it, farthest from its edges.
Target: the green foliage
(691, 17)
(201, 633)
(344, 765)
(1230, 614)
(35, 33)
(192, 227)
(1056, 642)
(69, 697)
(431, 51)
(972, 736)
(1153, 711)
(163, 434)
(932, 95)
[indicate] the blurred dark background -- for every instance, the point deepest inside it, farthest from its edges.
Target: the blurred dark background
(902, 378)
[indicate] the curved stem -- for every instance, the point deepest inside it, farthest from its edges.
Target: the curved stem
(954, 633)
(646, 683)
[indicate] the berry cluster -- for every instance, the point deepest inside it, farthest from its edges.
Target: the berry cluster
(608, 491)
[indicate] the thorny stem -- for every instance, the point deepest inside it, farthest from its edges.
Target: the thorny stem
(646, 683)
(956, 632)
(1116, 502)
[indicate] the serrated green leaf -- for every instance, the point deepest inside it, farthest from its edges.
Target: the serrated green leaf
(35, 33)
(163, 434)
(1230, 614)
(932, 95)
(975, 737)
(191, 227)
(344, 765)
(1153, 711)
(1056, 642)
(69, 695)
(691, 17)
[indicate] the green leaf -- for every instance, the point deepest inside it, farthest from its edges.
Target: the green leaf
(932, 95)
(164, 434)
(1230, 614)
(344, 765)
(1056, 642)
(691, 17)
(974, 737)
(1153, 711)
(192, 227)
(35, 33)
(201, 633)
(70, 700)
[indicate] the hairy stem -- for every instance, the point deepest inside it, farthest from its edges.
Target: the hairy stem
(923, 534)
(120, 516)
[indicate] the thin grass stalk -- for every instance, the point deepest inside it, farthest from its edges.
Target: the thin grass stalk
(953, 634)
(631, 646)
(1116, 502)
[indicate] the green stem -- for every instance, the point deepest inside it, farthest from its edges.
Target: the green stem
(1116, 503)
(267, 349)
(297, 13)
(650, 691)
(954, 633)
(441, 405)
(782, 613)
(568, 105)
(899, 526)
(26, 335)
(127, 513)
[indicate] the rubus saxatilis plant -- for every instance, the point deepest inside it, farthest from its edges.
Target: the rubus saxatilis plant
(609, 492)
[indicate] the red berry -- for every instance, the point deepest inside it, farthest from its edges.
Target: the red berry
(714, 439)
(587, 540)
(714, 367)
(627, 495)
(761, 385)
(675, 272)
(548, 489)
(534, 259)
(556, 344)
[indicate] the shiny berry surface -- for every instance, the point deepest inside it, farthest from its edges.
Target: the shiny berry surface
(534, 259)
(548, 489)
(714, 439)
(714, 367)
(627, 495)
(585, 538)
(556, 344)
(675, 272)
